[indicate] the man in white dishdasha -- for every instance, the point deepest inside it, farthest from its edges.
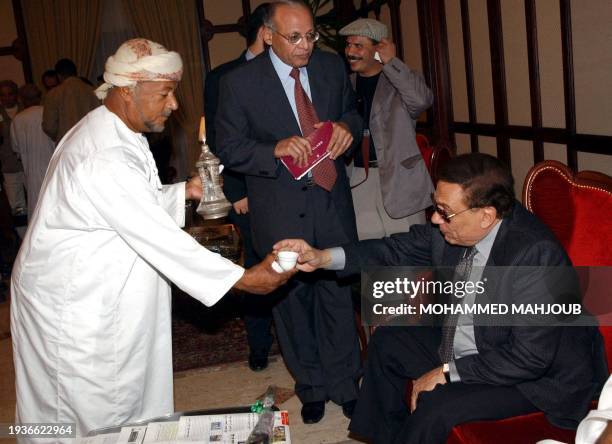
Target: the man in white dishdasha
(90, 311)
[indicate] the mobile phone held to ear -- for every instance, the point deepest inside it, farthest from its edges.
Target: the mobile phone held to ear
(377, 57)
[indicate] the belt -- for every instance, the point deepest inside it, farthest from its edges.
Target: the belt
(371, 164)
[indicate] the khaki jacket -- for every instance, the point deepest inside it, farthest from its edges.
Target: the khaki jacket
(65, 105)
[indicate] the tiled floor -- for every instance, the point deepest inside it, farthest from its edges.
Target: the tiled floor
(227, 385)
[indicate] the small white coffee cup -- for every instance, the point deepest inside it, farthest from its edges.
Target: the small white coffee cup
(287, 259)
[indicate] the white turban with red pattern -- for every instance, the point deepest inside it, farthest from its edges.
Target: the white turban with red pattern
(139, 60)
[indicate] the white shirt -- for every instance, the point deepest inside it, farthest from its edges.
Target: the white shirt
(464, 342)
(34, 148)
(283, 70)
(90, 308)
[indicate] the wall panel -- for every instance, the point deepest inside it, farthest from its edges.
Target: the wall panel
(551, 62)
(456, 61)
(463, 143)
(223, 12)
(516, 63)
(225, 47)
(483, 87)
(555, 151)
(522, 160)
(592, 41)
(487, 145)
(410, 35)
(595, 162)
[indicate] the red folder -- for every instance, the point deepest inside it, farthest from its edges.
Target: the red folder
(319, 141)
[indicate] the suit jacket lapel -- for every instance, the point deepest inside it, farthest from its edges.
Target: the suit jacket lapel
(275, 95)
(319, 88)
(381, 91)
(452, 254)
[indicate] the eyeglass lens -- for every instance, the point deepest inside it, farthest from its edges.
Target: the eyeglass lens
(296, 37)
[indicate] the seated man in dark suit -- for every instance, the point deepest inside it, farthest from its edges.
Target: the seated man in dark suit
(468, 372)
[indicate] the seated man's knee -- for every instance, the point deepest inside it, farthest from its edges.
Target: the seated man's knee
(382, 342)
(434, 405)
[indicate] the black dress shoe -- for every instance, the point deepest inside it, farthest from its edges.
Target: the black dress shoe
(312, 412)
(348, 408)
(258, 364)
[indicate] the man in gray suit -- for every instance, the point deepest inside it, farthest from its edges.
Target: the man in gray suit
(391, 185)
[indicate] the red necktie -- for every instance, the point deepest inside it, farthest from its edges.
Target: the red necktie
(324, 174)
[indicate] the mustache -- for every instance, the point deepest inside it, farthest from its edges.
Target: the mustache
(354, 58)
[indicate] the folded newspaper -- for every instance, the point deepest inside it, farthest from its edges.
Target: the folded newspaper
(231, 428)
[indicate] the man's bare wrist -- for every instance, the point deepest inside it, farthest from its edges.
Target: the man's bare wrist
(326, 258)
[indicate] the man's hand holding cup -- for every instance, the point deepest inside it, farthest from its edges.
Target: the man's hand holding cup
(309, 258)
(263, 278)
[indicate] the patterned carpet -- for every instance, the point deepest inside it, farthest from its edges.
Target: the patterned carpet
(207, 336)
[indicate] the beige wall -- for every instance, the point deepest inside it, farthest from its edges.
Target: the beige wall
(551, 63)
(227, 46)
(592, 45)
(457, 61)
(410, 35)
(592, 41)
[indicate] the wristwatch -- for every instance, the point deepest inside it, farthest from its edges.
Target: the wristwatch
(446, 371)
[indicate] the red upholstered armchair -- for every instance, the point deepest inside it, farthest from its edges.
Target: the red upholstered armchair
(578, 209)
(434, 157)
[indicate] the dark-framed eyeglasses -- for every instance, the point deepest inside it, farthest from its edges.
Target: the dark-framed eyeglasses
(443, 213)
(295, 38)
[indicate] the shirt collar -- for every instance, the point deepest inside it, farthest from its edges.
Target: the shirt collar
(282, 69)
(485, 244)
(248, 55)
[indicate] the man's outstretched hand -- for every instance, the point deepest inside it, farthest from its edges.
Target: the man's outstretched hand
(310, 258)
(262, 279)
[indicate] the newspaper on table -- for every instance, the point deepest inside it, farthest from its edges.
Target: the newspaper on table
(231, 428)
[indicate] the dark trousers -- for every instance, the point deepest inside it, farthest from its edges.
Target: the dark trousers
(316, 330)
(399, 354)
(9, 241)
(256, 310)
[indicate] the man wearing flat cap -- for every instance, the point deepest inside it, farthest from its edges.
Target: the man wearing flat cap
(90, 309)
(390, 184)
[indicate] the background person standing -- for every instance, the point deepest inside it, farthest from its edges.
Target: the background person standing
(257, 312)
(30, 142)
(391, 186)
(66, 104)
